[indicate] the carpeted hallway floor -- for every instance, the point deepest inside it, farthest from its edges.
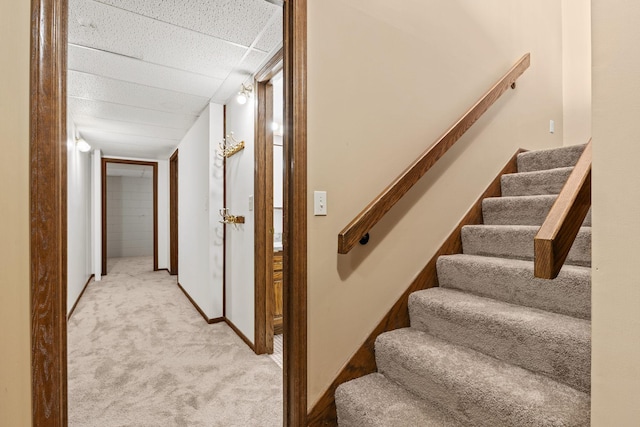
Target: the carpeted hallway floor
(141, 355)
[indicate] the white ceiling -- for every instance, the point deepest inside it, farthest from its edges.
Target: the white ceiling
(140, 72)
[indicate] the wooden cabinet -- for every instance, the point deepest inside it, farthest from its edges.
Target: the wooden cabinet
(277, 292)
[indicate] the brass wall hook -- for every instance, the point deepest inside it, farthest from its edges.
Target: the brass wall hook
(230, 146)
(227, 218)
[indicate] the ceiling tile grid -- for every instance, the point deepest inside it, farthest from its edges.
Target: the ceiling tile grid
(141, 71)
(127, 113)
(104, 27)
(236, 21)
(124, 68)
(94, 87)
(128, 128)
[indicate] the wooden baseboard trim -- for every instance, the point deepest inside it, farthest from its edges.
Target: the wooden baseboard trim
(216, 320)
(80, 296)
(240, 334)
(197, 307)
(164, 269)
(363, 361)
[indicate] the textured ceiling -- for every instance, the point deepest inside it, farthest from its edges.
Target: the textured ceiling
(141, 71)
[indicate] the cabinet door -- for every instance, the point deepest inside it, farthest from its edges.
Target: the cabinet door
(277, 292)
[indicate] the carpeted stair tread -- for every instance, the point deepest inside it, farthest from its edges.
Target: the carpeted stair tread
(478, 390)
(534, 183)
(516, 242)
(549, 159)
(523, 210)
(548, 343)
(512, 281)
(374, 401)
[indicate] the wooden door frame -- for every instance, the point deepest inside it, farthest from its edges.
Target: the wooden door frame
(263, 200)
(173, 213)
(103, 188)
(48, 213)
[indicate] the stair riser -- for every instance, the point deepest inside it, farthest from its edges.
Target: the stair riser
(534, 184)
(549, 159)
(517, 243)
(519, 211)
(477, 389)
(568, 294)
(560, 351)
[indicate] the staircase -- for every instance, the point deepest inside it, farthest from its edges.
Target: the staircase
(492, 346)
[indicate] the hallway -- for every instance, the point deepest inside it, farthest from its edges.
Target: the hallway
(140, 354)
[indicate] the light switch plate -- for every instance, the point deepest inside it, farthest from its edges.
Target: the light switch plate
(319, 203)
(250, 203)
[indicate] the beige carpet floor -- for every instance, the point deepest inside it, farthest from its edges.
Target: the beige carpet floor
(141, 355)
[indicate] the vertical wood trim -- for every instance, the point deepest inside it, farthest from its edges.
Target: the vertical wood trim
(48, 213)
(260, 207)
(295, 213)
(173, 214)
(268, 230)
(263, 189)
(155, 217)
(224, 228)
(263, 197)
(154, 165)
(103, 219)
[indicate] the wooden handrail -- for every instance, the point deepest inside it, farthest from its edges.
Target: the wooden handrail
(376, 210)
(558, 232)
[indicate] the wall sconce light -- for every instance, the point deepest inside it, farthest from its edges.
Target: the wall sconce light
(244, 94)
(83, 146)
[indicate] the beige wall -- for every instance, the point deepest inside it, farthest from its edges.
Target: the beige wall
(576, 70)
(15, 403)
(616, 210)
(385, 79)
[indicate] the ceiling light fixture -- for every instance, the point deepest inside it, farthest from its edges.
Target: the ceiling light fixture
(83, 145)
(244, 94)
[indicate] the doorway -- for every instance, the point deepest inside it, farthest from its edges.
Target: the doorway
(127, 210)
(173, 214)
(268, 272)
(48, 213)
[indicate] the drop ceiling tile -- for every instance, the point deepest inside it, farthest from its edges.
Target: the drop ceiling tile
(119, 145)
(90, 86)
(240, 75)
(127, 128)
(125, 113)
(237, 21)
(272, 35)
(132, 70)
(102, 136)
(104, 27)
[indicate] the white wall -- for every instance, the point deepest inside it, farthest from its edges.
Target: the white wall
(129, 215)
(615, 375)
(240, 291)
(576, 71)
(196, 242)
(78, 219)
